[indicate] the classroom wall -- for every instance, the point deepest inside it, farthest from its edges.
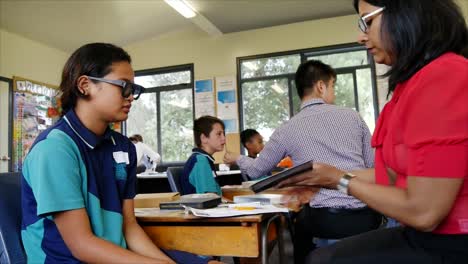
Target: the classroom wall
(216, 56)
(23, 57)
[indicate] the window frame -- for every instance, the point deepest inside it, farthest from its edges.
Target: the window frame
(304, 54)
(158, 89)
(10, 121)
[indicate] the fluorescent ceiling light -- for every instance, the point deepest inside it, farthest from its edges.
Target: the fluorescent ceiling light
(182, 7)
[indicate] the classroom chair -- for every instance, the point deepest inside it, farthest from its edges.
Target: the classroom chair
(11, 248)
(173, 175)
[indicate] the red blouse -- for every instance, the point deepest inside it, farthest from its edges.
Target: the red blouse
(423, 131)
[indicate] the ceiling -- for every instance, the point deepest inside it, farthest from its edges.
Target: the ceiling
(67, 24)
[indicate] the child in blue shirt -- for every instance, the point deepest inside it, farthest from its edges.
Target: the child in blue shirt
(78, 180)
(199, 170)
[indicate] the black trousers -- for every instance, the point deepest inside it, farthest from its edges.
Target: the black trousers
(395, 245)
(330, 223)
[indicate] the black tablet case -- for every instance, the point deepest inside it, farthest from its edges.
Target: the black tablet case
(199, 203)
(277, 178)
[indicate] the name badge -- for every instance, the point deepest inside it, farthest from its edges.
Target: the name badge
(121, 157)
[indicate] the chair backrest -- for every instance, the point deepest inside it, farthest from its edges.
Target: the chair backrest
(173, 175)
(11, 248)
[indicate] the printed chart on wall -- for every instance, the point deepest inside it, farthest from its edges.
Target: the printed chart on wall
(204, 98)
(227, 103)
(35, 108)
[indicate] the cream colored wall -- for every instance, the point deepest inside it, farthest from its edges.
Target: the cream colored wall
(29, 59)
(464, 7)
(216, 56)
(26, 58)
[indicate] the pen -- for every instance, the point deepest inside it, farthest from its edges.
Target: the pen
(245, 207)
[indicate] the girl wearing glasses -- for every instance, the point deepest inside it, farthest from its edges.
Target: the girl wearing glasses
(79, 176)
(421, 139)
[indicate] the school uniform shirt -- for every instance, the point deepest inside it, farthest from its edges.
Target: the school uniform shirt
(423, 131)
(322, 133)
(69, 167)
(199, 174)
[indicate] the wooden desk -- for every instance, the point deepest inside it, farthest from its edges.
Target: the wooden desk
(243, 236)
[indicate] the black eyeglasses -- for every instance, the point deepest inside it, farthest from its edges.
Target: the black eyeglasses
(362, 23)
(128, 88)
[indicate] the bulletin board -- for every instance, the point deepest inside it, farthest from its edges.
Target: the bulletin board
(36, 106)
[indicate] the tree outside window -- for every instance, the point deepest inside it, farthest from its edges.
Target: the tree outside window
(163, 114)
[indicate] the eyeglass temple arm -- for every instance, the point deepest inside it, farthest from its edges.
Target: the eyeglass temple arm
(373, 13)
(116, 82)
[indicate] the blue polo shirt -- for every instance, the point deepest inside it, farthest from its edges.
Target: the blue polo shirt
(199, 174)
(69, 167)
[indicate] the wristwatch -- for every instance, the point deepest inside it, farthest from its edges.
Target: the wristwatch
(344, 182)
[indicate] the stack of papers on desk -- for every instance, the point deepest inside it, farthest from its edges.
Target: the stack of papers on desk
(238, 209)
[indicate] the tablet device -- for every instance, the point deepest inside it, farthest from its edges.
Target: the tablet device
(277, 178)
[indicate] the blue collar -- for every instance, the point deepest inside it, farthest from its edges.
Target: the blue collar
(87, 136)
(311, 102)
(204, 153)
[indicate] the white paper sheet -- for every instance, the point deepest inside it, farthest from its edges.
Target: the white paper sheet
(236, 210)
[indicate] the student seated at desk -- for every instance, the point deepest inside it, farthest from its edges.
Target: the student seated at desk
(253, 143)
(78, 206)
(199, 170)
(147, 159)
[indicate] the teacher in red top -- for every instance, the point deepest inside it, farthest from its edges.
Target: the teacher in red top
(421, 139)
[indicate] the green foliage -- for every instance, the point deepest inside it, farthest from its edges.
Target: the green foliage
(177, 124)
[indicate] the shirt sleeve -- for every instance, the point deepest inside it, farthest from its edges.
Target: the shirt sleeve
(435, 121)
(150, 153)
(273, 152)
(130, 186)
(202, 178)
(54, 170)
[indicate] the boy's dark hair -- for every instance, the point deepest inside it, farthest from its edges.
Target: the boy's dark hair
(136, 137)
(247, 135)
(94, 59)
(204, 125)
(309, 73)
(417, 32)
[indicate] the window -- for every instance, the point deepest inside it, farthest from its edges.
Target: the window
(163, 114)
(270, 78)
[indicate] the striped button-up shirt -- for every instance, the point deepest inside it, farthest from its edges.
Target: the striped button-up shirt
(323, 133)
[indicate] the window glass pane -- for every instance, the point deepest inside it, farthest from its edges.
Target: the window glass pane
(340, 60)
(265, 105)
(163, 79)
(176, 125)
(344, 90)
(295, 100)
(143, 119)
(270, 66)
(365, 97)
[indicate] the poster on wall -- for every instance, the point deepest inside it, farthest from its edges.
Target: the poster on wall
(35, 108)
(204, 98)
(226, 100)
